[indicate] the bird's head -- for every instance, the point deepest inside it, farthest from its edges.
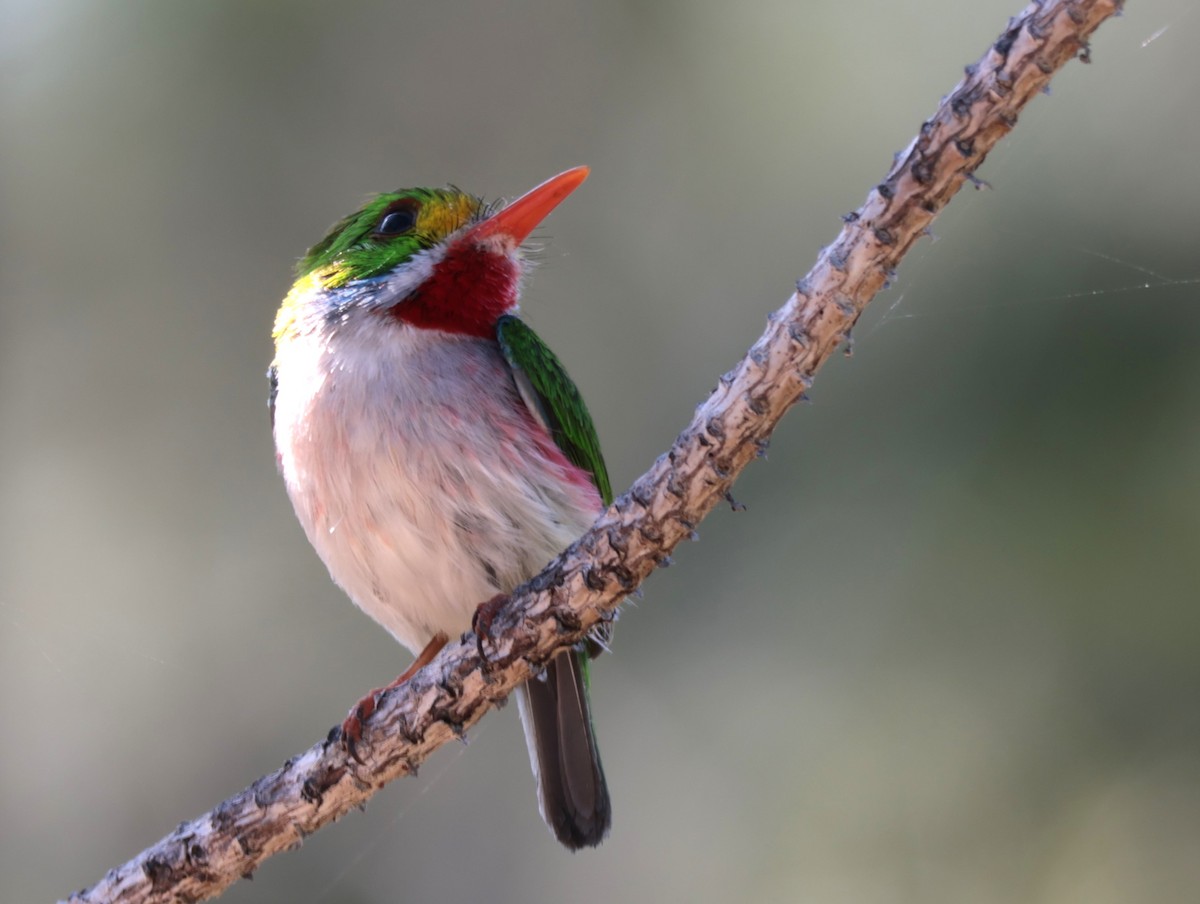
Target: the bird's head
(433, 258)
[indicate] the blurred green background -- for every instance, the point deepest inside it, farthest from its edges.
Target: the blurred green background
(950, 651)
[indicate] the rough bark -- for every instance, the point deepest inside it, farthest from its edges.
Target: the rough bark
(585, 585)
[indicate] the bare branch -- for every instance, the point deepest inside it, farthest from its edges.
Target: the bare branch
(585, 585)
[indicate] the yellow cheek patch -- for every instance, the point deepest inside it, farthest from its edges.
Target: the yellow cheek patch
(438, 218)
(288, 316)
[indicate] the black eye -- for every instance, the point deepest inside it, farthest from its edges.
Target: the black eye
(398, 220)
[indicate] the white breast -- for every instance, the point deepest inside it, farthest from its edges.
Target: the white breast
(418, 473)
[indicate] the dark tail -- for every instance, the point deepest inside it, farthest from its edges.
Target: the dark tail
(572, 794)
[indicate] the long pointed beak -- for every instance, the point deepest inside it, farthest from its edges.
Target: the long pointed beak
(512, 225)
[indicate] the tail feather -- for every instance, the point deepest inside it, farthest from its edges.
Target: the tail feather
(572, 794)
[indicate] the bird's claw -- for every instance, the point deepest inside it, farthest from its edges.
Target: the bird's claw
(481, 622)
(352, 725)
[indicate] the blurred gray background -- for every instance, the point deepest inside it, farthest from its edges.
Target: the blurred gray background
(950, 651)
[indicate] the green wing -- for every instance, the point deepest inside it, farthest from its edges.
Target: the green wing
(549, 392)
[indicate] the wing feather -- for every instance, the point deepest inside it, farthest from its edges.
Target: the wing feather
(553, 398)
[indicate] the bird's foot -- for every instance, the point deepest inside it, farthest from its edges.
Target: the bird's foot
(481, 621)
(352, 726)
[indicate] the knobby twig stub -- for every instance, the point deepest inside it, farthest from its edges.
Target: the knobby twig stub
(584, 586)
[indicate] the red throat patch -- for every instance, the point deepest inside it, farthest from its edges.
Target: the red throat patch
(469, 289)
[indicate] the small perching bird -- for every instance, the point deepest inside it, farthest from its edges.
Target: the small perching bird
(435, 450)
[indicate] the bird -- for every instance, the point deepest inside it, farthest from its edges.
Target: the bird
(436, 452)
